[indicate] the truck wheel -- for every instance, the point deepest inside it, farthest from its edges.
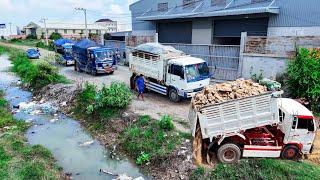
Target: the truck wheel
(94, 72)
(290, 152)
(229, 153)
(173, 95)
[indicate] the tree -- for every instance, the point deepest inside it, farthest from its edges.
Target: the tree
(55, 36)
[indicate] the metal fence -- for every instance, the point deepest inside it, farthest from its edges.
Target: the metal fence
(223, 60)
(117, 45)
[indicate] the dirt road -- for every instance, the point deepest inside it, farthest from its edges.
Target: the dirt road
(154, 105)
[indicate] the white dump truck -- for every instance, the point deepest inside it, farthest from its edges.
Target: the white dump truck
(258, 126)
(168, 71)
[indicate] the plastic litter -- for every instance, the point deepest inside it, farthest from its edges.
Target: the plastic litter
(88, 143)
(270, 84)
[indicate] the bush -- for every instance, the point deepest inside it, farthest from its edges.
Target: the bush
(37, 75)
(55, 36)
(104, 103)
(304, 76)
(117, 95)
(31, 36)
(166, 123)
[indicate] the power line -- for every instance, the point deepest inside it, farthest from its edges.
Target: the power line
(85, 19)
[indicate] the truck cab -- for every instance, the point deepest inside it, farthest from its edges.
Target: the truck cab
(67, 57)
(99, 61)
(187, 75)
(297, 123)
(168, 71)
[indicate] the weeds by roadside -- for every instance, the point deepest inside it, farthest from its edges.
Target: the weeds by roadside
(18, 160)
(150, 141)
(102, 104)
(36, 74)
(260, 169)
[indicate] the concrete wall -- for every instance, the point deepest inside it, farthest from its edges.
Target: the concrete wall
(202, 31)
(294, 31)
(267, 65)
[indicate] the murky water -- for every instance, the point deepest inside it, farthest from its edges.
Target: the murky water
(63, 137)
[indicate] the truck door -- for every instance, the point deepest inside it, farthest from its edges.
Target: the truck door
(176, 76)
(303, 131)
(91, 62)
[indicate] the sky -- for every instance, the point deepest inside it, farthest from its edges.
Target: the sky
(21, 12)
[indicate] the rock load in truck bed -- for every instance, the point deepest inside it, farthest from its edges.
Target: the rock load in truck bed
(222, 92)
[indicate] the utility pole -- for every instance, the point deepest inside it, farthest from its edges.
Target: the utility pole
(85, 19)
(43, 20)
(10, 28)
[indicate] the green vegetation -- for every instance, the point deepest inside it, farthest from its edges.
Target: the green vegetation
(149, 140)
(261, 169)
(35, 73)
(102, 104)
(304, 76)
(55, 36)
(31, 36)
(40, 43)
(18, 160)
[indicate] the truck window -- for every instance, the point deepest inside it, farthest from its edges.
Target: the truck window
(306, 124)
(281, 115)
(294, 122)
(176, 70)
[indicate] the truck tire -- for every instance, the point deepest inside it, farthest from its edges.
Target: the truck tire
(94, 72)
(229, 153)
(290, 152)
(173, 95)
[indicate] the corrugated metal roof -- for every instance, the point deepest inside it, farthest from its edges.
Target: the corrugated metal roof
(202, 9)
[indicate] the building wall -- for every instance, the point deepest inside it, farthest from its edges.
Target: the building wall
(296, 18)
(267, 65)
(202, 31)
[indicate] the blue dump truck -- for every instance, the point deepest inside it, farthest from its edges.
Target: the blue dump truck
(93, 58)
(64, 48)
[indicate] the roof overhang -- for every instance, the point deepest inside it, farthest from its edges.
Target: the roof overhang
(218, 13)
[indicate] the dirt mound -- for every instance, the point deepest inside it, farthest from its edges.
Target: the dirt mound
(179, 165)
(218, 93)
(60, 95)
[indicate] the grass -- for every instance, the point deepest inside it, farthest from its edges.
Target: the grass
(36, 74)
(148, 140)
(32, 43)
(18, 159)
(261, 169)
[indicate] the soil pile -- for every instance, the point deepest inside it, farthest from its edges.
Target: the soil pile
(60, 95)
(218, 93)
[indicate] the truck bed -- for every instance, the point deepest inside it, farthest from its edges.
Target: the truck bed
(148, 67)
(233, 116)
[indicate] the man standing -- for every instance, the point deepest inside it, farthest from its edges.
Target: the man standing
(140, 84)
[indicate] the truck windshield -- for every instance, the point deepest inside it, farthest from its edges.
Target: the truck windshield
(68, 51)
(102, 56)
(197, 72)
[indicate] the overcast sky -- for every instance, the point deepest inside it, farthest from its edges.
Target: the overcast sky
(21, 12)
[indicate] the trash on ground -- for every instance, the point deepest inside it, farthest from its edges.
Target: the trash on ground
(54, 120)
(35, 109)
(88, 143)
